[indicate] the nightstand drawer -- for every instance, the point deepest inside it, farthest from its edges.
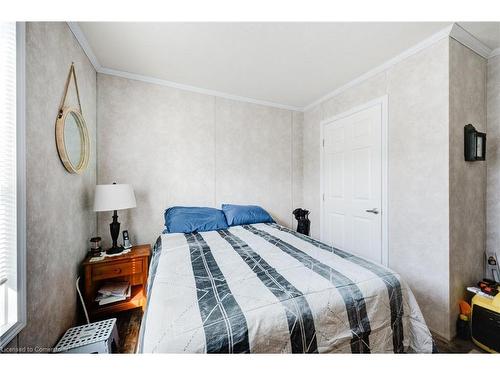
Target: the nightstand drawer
(115, 270)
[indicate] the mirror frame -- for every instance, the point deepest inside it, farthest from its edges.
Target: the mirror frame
(84, 141)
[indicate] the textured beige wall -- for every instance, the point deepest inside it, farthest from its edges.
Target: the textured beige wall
(467, 179)
(417, 89)
(182, 148)
(311, 164)
(493, 155)
(254, 157)
(60, 220)
(160, 140)
(418, 179)
(297, 161)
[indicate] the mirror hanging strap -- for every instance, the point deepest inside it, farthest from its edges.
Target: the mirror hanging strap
(72, 73)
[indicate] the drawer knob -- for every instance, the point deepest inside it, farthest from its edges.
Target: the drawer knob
(118, 270)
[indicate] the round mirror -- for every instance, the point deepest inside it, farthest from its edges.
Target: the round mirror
(72, 140)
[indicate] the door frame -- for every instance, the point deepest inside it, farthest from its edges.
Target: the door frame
(382, 101)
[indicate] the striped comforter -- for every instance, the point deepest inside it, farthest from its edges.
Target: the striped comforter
(266, 289)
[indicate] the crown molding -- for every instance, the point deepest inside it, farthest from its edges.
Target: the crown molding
(467, 39)
(494, 53)
(454, 31)
(444, 33)
(180, 86)
(82, 40)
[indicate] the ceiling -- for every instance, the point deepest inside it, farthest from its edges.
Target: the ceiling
(486, 32)
(290, 64)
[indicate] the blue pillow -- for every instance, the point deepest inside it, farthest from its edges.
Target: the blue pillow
(242, 215)
(193, 219)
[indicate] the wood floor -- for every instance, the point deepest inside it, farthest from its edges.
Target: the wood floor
(129, 324)
(457, 346)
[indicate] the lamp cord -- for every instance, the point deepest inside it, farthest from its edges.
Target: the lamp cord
(81, 299)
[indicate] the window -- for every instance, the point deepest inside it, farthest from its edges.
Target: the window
(12, 182)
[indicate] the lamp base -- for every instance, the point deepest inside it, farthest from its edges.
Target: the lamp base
(115, 250)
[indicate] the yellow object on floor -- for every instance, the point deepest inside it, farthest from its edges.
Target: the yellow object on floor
(485, 322)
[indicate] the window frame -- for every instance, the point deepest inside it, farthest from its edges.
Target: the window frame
(14, 330)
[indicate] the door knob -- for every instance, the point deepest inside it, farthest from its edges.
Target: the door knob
(373, 211)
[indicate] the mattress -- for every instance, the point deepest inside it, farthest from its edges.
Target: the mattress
(264, 288)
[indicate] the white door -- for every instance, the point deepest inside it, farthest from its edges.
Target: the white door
(352, 182)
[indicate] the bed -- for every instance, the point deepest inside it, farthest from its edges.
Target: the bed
(264, 288)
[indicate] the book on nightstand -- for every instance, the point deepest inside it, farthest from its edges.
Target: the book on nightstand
(113, 292)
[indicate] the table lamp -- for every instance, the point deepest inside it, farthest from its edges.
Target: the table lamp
(113, 198)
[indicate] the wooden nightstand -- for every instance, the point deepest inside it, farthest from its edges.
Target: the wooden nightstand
(131, 267)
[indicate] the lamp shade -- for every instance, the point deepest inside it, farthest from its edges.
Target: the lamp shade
(114, 197)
